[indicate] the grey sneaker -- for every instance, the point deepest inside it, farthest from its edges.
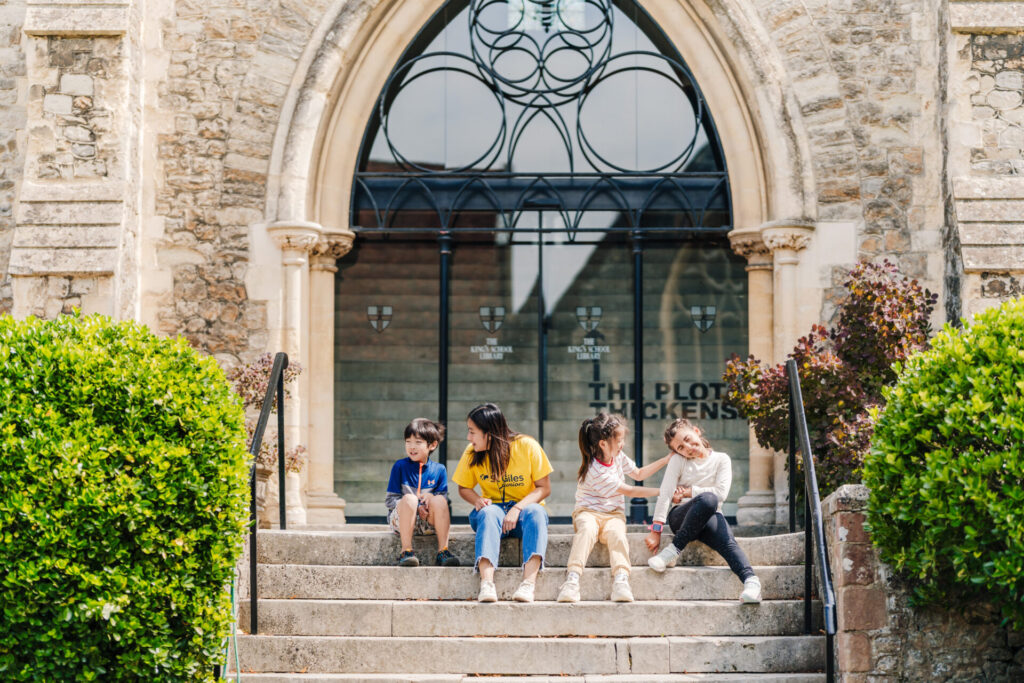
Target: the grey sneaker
(487, 592)
(661, 561)
(751, 594)
(569, 592)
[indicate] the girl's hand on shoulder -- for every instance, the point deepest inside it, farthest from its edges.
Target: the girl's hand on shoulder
(481, 503)
(652, 541)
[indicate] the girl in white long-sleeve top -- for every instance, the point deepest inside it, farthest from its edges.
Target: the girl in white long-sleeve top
(698, 478)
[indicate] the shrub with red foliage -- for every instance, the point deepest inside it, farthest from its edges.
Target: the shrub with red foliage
(883, 320)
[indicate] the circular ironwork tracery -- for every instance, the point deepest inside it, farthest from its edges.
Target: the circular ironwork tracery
(544, 66)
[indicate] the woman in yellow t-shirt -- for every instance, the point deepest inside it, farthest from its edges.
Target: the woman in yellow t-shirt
(512, 472)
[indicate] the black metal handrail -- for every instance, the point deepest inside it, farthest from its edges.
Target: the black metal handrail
(274, 384)
(813, 527)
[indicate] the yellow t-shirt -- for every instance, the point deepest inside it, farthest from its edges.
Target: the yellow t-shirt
(526, 464)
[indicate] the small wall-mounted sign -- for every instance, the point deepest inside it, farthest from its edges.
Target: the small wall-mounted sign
(588, 317)
(491, 317)
(379, 317)
(703, 317)
(491, 350)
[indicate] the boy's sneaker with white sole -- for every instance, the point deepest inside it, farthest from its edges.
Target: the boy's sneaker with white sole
(487, 592)
(751, 594)
(662, 560)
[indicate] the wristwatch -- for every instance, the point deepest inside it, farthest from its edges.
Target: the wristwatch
(656, 527)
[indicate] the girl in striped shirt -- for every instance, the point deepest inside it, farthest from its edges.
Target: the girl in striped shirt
(600, 513)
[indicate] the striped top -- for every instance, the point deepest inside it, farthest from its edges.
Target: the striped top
(599, 489)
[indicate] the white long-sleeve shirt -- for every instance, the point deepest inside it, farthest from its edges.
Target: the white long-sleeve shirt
(711, 473)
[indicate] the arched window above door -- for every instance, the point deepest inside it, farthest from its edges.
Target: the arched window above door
(580, 108)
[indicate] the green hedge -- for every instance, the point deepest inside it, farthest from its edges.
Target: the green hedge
(946, 467)
(123, 500)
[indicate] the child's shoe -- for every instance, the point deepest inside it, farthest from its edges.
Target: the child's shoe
(661, 561)
(446, 559)
(408, 559)
(570, 590)
(524, 593)
(487, 592)
(621, 592)
(751, 594)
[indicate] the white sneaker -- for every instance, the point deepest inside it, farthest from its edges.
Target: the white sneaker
(621, 592)
(751, 594)
(487, 592)
(524, 593)
(569, 592)
(662, 560)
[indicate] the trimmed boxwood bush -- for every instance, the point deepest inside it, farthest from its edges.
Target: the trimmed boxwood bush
(946, 466)
(123, 501)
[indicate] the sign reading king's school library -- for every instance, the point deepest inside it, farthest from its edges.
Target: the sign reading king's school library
(690, 400)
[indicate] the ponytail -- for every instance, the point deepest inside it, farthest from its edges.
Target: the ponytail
(593, 430)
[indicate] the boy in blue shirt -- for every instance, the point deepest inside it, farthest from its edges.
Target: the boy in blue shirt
(417, 495)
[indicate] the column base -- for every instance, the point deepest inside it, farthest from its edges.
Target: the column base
(325, 509)
(756, 508)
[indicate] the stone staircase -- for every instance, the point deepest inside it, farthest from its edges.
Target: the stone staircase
(333, 607)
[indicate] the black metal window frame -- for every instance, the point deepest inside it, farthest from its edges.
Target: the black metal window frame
(639, 197)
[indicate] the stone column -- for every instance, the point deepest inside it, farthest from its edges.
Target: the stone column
(785, 239)
(325, 507)
(757, 506)
(296, 239)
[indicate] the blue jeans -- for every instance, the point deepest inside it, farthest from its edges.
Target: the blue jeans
(532, 528)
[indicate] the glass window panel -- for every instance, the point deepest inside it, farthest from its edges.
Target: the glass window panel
(386, 361)
(695, 317)
(493, 355)
(589, 298)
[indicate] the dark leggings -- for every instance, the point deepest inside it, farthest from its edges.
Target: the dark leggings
(700, 520)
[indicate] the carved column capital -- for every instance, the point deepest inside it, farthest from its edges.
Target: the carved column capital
(787, 235)
(331, 246)
(295, 235)
(750, 245)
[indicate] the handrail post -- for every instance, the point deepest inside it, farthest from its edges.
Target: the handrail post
(282, 503)
(252, 553)
(275, 383)
(792, 457)
(808, 562)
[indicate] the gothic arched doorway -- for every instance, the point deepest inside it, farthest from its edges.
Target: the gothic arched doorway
(541, 203)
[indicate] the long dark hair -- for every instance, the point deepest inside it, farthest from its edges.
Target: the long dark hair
(489, 420)
(593, 430)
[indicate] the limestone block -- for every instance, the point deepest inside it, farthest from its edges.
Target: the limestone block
(70, 213)
(76, 84)
(986, 17)
(76, 20)
(32, 261)
(57, 104)
(64, 236)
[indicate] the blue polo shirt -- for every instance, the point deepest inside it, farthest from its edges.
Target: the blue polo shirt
(406, 478)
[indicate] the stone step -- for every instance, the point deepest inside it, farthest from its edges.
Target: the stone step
(381, 548)
(572, 656)
(592, 678)
(374, 509)
(410, 618)
(311, 582)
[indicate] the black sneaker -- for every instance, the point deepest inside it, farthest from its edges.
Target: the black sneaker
(408, 559)
(446, 559)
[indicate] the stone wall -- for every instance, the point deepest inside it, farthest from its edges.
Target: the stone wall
(882, 638)
(986, 155)
(865, 74)
(12, 132)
